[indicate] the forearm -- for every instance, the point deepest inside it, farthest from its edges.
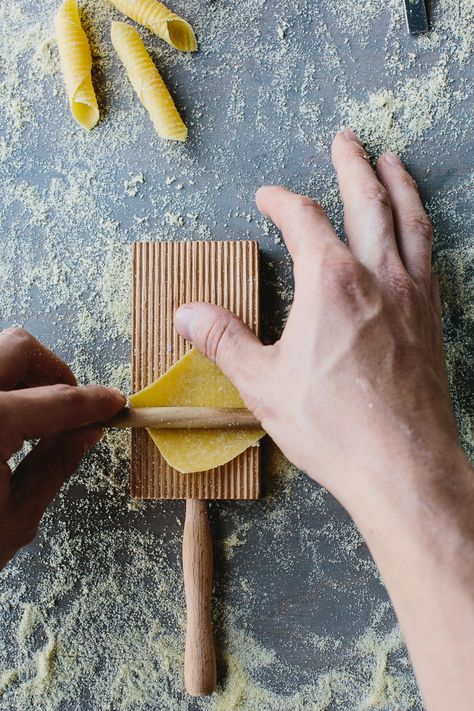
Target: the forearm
(355, 393)
(421, 535)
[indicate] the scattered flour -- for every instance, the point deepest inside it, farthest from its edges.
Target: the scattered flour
(92, 615)
(390, 120)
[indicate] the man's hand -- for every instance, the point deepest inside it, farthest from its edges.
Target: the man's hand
(39, 400)
(355, 393)
(357, 380)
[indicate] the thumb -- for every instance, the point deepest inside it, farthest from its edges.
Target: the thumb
(226, 340)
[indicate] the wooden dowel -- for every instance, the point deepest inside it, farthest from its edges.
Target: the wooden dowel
(182, 418)
(199, 655)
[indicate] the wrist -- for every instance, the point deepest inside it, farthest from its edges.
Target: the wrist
(420, 503)
(422, 539)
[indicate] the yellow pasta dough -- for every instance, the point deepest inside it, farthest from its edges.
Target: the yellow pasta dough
(161, 21)
(147, 82)
(197, 382)
(76, 64)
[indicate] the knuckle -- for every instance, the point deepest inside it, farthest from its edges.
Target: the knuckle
(18, 335)
(343, 276)
(303, 204)
(407, 181)
(222, 334)
(70, 395)
(419, 226)
(64, 391)
(355, 150)
(373, 191)
(403, 289)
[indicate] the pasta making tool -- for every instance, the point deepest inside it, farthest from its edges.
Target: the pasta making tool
(166, 275)
(416, 17)
(191, 418)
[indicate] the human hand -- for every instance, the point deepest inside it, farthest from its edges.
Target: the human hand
(357, 381)
(355, 393)
(39, 401)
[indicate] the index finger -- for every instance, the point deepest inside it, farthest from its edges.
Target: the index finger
(24, 360)
(306, 229)
(48, 410)
(302, 221)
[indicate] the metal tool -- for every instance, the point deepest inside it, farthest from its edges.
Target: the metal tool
(417, 19)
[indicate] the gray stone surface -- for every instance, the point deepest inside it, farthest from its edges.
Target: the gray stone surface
(260, 109)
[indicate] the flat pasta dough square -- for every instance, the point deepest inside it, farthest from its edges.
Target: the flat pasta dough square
(195, 381)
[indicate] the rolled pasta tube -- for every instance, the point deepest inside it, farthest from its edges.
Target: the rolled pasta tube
(76, 64)
(161, 21)
(147, 82)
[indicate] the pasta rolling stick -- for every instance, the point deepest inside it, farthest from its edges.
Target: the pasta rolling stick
(191, 418)
(76, 64)
(196, 383)
(147, 82)
(161, 21)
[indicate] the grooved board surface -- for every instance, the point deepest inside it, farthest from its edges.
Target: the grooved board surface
(166, 275)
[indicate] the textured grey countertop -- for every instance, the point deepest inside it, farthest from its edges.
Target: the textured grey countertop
(92, 613)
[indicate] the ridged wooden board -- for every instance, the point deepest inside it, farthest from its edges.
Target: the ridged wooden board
(166, 275)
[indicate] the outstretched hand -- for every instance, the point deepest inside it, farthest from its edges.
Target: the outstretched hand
(355, 393)
(357, 379)
(39, 400)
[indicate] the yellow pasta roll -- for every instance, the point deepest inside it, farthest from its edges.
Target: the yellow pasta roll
(164, 23)
(76, 64)
(147, 82)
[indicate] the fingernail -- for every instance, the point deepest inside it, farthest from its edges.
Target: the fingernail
(350, 135)
(393, 159)
(184, 319)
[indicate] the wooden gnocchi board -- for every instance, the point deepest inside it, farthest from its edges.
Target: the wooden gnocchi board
(166, 275)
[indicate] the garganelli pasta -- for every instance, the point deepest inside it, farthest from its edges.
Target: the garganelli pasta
(76, 64)
(147, 82)
(161, 21)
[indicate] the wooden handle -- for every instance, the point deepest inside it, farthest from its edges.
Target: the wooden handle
(182, 418)
(199, 656)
